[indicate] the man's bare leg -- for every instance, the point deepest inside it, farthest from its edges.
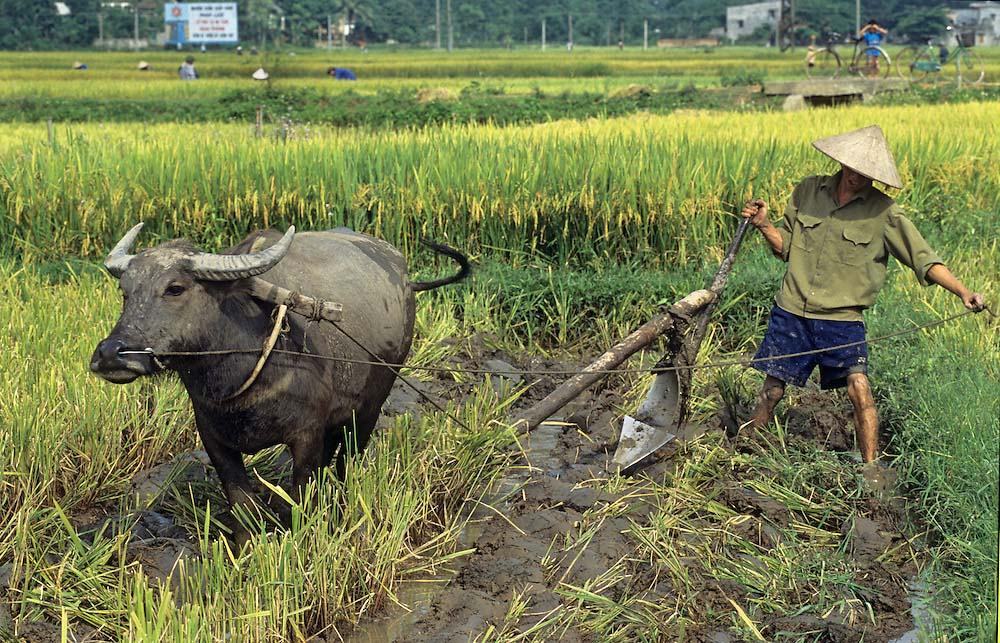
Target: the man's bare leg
(770, 394)
(865, 415)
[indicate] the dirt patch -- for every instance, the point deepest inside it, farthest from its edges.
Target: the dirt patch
(824, 418)
(557, 532)
(569, 522)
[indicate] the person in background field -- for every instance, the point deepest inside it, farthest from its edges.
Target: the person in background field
(872, 33)
(811, 51)
(341, 73)
(836, 236)
(187, 71)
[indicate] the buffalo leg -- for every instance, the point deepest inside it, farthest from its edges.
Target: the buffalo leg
(308, 453)
(355, 441)
(232, 473)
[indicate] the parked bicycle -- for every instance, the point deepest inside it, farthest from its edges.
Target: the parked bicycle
(867, 61)
(918, 62)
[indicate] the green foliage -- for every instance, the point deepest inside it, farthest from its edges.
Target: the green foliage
(35, 25)
(748, 76)
(387, 108)
(554, 307)
(921, 24)
(942, 388)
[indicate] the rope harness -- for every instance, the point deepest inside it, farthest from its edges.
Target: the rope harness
(279, 319)
(528, 373)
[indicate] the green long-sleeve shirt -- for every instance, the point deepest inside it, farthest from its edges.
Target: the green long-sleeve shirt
(837, 255)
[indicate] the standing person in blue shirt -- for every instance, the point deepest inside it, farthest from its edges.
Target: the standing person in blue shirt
(872, 33)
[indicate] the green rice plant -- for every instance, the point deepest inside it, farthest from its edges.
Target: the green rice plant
(596, 223)
(655, 189)
(73, 444)
(940, 390)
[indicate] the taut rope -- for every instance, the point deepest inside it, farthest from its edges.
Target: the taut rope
(613, 371)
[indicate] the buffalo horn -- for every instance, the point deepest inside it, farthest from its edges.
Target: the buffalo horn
(212, 267)
(118, 259)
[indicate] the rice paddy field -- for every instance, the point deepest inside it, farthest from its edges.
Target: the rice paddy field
(114, 75)
(453, 526)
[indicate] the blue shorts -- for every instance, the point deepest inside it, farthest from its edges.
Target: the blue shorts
(788, 333)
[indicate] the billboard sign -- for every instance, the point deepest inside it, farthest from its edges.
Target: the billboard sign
(202, 22)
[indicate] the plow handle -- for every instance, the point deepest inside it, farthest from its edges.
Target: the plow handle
(718, 283)
(722, 274)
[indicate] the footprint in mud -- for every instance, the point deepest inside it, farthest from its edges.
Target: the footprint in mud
(822, 417)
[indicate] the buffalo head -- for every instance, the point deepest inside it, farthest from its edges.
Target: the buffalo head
(174, 296)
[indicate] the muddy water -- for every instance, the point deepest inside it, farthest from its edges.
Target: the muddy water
(529, 551)
(417, 597)
(923, 622)
(414, 598)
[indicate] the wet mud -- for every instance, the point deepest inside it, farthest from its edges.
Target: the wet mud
(554, 524)
(527, 553)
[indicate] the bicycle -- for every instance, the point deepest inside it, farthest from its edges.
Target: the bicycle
(919, 61)
(826, 62)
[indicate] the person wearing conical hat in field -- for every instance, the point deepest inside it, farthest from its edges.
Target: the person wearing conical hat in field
(836, 236)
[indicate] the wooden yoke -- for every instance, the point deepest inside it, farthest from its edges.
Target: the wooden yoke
(296, 302)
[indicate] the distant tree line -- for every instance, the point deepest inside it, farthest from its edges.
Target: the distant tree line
(36, 25)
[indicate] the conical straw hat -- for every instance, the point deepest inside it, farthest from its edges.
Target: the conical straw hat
(865, 151)
(260, 74)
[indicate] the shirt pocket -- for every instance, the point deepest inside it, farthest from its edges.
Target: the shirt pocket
(856, 247)
(806, 231)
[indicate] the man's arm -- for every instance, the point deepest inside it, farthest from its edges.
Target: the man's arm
(940, 275)
(908, 246)
(777, 237)
(756, 211)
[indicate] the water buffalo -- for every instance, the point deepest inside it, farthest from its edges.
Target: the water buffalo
(179, 299)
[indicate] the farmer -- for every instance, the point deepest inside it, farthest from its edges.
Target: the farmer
(187, 71)
(836, 236)
(341, 73)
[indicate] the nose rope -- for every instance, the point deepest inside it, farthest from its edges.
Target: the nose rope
(613, 371)
(276, 330)
(146, 351)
